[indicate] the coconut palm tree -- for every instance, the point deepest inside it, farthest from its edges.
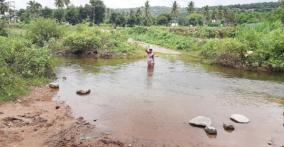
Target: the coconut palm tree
(61, 3)
(34, 8)
(3, 7)
(175, 11)
(190, 7)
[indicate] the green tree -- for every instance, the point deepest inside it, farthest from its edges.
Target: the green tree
(163, 19)
(206, 14)
(175, 11)
(117, 19)
(59, 15)
(147, 14)
(34, 8)
(72, 15)
(220, 13)
(83, 13)
(214, 14)
(46, 13)
(3, 7)
(195, 19)
(138, 16)
(190, 7)
(131, 20)
(61, 3)
(98, 9)
(23, 15)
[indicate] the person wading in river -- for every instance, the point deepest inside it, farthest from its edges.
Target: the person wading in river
(150, 57)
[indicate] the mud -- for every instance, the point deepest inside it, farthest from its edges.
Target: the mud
(35, 120)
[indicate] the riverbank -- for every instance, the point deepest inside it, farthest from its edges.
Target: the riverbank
(36, 120)
(258, 47)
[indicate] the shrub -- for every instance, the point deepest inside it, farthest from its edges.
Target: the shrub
(79, 42)
(227, 52)
(3, 31)
(21, 64)
(23, 59)
(41, 30)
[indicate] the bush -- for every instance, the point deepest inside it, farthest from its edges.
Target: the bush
(216, 47)
(80, 42)
(42, 30)
(100, 41)
(3, 31)
(20, 65)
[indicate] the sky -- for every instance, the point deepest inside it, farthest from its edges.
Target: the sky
(137, 3)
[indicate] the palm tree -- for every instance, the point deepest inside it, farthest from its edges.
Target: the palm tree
(190, 7)
(175, 11)
(147, 14)
(61, 3)
(34, 8)
(206, 13)
(3, 7)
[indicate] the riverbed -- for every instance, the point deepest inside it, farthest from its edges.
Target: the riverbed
(145, 106)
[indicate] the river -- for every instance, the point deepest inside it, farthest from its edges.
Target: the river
(152, 106)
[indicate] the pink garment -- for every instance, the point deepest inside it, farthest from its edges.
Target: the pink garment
(150, 58)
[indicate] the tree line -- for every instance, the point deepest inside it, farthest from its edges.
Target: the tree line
(95, 13)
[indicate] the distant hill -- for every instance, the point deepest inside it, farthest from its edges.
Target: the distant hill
(255, 7)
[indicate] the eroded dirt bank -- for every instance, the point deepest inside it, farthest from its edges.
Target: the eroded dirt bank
(35, 120)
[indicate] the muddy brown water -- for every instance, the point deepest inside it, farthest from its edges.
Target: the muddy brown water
(151, 107)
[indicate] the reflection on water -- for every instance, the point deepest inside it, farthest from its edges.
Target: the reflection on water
(150, 73)
(152, 105)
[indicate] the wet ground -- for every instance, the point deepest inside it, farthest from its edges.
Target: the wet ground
(152, 106)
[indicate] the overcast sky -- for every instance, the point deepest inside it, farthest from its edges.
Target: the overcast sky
(138, 3)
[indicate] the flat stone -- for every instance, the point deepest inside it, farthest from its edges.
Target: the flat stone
(240, 118)
(200, 121)
(210, 130)
(228, 126)
(84, 92)
(54, 85)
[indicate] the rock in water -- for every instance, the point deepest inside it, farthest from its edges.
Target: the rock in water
(84, 92)
(228, 126)
(54, 85)
(210, 130)
(200, 121)
(239, 118)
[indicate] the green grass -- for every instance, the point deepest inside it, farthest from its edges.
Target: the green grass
(251, 47)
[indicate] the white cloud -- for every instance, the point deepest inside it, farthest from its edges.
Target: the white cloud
(137, 3)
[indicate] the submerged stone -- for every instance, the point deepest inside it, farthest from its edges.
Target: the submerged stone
(210, 130)
(200, 121)
(240, 118)
(54, 85)
(84, 92)
(228, 126)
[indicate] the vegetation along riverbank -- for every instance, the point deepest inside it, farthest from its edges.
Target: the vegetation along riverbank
(249, 37)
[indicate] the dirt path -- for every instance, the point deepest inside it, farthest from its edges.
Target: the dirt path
(156, 48)
(35, 120)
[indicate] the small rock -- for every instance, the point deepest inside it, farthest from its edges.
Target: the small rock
(201, 121)
(84, 92)
(240, 118)
(95, 120)
(64, 78)
(80, 118)
(228, 126)
(19, 101)
(1, 113)
(210, 130)
(269, 142)
(54, 85)
(129, 145)
(57, 107)
(35, 129)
